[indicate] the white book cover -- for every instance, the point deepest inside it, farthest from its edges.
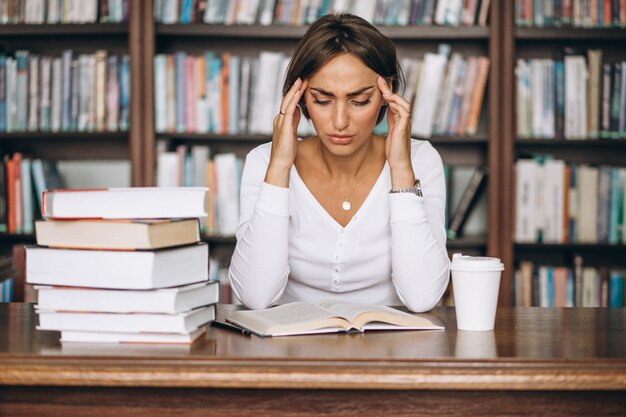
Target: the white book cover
(113, 94)
(56, 100)
(227, 177)
(160, 93)
(162, 300)
(525, 201)
(202, 121)
(453, 12)
(446, 98)
(167, 169)
(537, 85)
(365, 9)
(53, 11)
(33, 93)
(125, 203)
(264, 92)
(68, 336)
(587, 220)
(440, 11)
(548, 106)
(553, 192)
(126, 323)
(34, 11)
(575, 97)
(170, 13)
(266, 16)
(200, 156)
(117, 269)
(427, 94)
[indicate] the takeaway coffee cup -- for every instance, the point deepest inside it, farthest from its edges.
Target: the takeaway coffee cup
(475, 282)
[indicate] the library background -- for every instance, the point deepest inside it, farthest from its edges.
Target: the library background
(524, 100)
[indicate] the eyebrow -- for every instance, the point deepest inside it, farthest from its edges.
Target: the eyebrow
(352, 94)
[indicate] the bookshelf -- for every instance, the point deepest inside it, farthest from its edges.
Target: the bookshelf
(52, 39)
(496, 144)
(549, 42)
(413, 41)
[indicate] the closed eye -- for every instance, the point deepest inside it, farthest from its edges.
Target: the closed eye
(362, 102)
(321, 102)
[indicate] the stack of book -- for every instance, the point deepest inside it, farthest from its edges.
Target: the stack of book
(122, 265)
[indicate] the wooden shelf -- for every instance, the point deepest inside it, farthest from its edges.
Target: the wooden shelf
(12, 238)
(578, 34)
(587, 247)
(68, 145)
(583, 143)
(71, 29)
(595, 152)
(470, 242)
(62, 136)
(296, 32)
(213, 239)
(245, 137)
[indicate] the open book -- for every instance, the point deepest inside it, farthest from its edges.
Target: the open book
(327, 317)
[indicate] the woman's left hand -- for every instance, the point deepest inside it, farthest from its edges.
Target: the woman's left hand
(398, 143)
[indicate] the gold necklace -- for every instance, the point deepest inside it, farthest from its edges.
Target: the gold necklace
(346, 205)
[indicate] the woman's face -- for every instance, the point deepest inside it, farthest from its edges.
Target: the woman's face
(343, 102)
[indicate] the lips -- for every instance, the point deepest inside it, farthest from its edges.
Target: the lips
(340, 139)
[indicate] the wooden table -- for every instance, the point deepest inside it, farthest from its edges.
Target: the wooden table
(537, 362)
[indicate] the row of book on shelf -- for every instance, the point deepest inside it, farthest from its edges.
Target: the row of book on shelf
(576, 13)
(568, 286)
(303, 12)
(122, 265)
(22, 183)
(578, 97)
(195, 166)
(559, 202)
(62, 11)
(74, 92)
(224, 94)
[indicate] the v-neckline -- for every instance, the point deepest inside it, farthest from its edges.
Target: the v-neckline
(324, 212)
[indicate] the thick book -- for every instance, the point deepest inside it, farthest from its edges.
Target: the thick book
(125, 203)
(117, 337)
(327, 317)
(162, 300)
(117, 234)
(185, 322)
(133, 270)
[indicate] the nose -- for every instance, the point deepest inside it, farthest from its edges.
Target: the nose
(341, 116)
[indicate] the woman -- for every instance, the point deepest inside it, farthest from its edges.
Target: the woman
(346, 214)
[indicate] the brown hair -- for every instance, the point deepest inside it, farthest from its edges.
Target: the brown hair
(332, 35)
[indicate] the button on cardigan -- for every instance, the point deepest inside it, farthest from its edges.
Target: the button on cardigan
(392, 252)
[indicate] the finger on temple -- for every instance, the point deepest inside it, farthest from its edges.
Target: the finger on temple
(294, 88)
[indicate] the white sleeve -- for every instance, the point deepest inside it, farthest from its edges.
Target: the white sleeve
(259, 267)
(419, 259)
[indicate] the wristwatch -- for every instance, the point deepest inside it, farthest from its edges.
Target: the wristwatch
(415, 189)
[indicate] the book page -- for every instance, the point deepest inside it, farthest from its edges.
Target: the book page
(289, 318)
(361, 314)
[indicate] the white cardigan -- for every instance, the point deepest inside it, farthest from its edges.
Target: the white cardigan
(290, 249)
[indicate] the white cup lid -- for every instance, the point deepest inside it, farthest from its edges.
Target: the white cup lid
(462, 262)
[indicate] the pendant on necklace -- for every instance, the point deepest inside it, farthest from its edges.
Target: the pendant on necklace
(346, 205)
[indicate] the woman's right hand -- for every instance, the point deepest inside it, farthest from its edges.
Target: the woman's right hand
(285, 136)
